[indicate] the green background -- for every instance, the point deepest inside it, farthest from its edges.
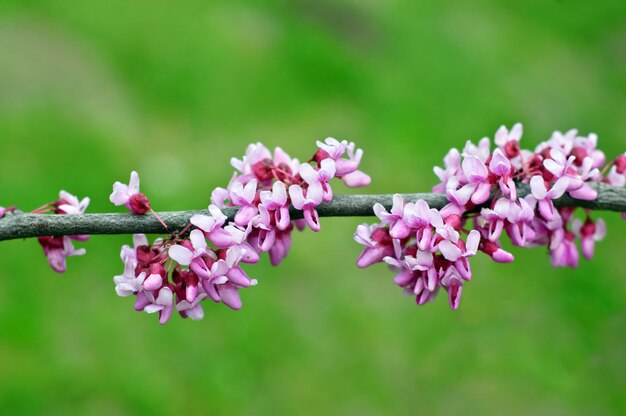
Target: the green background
(90, 90)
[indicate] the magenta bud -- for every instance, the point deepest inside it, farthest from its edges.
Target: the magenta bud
(139, 204)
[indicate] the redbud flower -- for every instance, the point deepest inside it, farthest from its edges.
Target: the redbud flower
(244, 197)
(500, 166)
(508, 141)
(589, 232)
(163, 304)
(478, 188)
(129, 195)
(398, 228)
(302, 201)
(57, 249)
(69, 204)
(276, 201)
(544, 196)
(317, 180)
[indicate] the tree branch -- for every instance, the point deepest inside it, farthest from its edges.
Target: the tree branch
(21, 225)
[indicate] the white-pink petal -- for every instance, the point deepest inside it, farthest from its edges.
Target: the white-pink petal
(180, 254)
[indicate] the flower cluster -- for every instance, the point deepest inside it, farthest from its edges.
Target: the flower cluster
(423, 247)
(507, 190)
(57, 249)
(180, 272)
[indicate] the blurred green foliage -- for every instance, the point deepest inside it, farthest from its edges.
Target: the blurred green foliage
(91, 90)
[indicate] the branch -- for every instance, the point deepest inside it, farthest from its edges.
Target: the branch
(21, 225)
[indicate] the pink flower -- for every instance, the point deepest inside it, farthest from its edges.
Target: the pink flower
(501, 167)
(589, 232)
(496, 252)
(419, 216)
(508, 141)
(282, 244)
(276, 201)
(478, 188)
(193, 309)
(57, 249)
(504, 136)
(560, 166)
(563, 249)
(482, 151)
(397, 226)
(496, 218)
(544, 196)
(212, 227)
(163, 304)
(346, 169)
(307, 204)
(69, 204)
(318, 188)
(453, 283)
(255, 153)
(449, 175)
(127, 283)
(377, 242)
(244, 197)
(129, 195)
(518, 227)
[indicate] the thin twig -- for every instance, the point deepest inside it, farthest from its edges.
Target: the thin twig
(23, 225)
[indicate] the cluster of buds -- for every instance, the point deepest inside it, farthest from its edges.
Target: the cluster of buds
(165, 276)
(57, 249)
(423, 246)
(180, 272)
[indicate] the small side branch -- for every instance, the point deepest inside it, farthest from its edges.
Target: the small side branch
(20, 225)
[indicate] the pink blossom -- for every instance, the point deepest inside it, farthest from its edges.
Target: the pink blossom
(482, 151)
(69, 204)
(421, 217)
(244, 197)
(589, 232)
(377, 242)
(307, 204)
(397, 226)
(496, 218)
(544, 196)
(448, 175)
(57, 249)
(453, 283)
(129, 195)
(318, 188)
(519, 219)
(163, 304)
(193, 309)
(563, 249)
(276, 201)
(508, 141)
(504, 136)
(500, 166)
(478, 188)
